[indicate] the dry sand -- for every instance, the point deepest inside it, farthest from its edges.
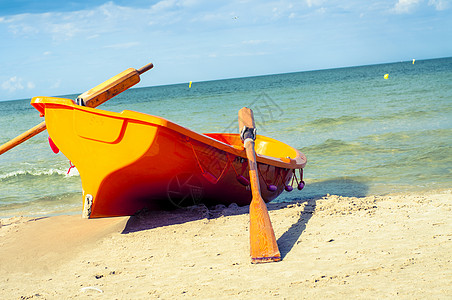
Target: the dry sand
(376, 247)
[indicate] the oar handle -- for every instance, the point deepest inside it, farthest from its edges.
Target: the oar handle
(145, 68)
(23, 137)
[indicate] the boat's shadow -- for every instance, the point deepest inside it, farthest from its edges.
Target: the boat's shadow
(149, 219)
(146, 219)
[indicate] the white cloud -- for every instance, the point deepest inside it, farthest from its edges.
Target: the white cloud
(6, 20)
(166, 16)
(312, 3)
(28, 25)
(163, 5)
(15, 84)
(253, 42)
(405, 6)
(174, 4)
(439, 4)
(64, 32)
(23, 29)
(62, 27)
(321, 10)
(94, 36)
(211, 17)
(123, 45)
(246, 54)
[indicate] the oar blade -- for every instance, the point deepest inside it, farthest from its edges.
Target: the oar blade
(263, 246)
(112, 87)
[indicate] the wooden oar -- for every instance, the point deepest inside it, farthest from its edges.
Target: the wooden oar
(23, 137)
(92, 98)
(263, 246)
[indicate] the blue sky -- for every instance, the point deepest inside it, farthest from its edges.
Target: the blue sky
(52, 48)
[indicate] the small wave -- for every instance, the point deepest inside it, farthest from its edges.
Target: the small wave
(37, 173)
(412, 114)
(47, 205)
(333, 147)
(411, 139)
(329, 121)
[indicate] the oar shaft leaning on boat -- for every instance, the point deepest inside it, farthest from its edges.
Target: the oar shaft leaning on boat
(23, 137)
(263, 246)
(92, 98)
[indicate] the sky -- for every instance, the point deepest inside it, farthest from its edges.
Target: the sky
(50, 48)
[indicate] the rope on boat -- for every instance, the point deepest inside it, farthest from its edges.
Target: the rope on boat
(209, 176)
(71, 166)
(271, 187)
(300, 184)
(240, 178)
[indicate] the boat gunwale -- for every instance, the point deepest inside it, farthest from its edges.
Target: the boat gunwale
(297, 162)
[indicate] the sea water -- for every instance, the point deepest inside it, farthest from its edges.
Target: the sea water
(362, 134)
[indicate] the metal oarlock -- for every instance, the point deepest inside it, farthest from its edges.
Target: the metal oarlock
(248, 133)
(80, 101)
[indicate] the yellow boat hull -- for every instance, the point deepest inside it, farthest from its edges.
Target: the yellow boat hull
(129, 161)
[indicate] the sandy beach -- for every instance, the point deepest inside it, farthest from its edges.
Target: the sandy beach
(376, 247)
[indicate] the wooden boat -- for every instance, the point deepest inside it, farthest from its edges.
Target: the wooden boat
(129, 161)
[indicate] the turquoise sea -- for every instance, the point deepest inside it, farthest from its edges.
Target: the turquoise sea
(362, 134)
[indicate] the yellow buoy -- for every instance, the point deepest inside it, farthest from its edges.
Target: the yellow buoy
(189, 85)
(386, 76)
(413, 61)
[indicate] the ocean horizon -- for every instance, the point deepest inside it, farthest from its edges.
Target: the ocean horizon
(71, 95)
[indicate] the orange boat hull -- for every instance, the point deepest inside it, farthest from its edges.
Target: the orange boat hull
(129, 161)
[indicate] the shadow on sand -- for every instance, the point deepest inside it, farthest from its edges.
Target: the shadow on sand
(145, 219)
(310, 195)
